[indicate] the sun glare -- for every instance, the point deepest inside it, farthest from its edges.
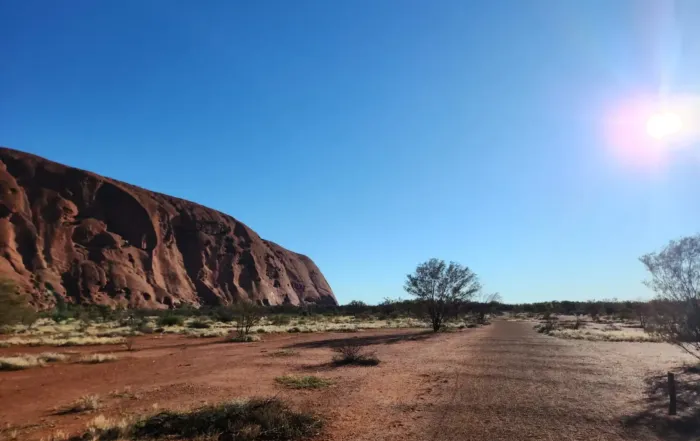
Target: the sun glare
(664, 124)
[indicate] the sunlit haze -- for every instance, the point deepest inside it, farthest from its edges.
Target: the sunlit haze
(663, 125)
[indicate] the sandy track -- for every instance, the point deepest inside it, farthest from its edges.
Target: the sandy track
(512, 383)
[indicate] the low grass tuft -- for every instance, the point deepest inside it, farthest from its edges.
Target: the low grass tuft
(97, 358)
(305, 382)
(86, 403)
(283, 353)
(236, 338)
(50, 357)
(19, 362)
(24, 361)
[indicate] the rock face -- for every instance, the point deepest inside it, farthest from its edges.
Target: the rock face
(90, 239)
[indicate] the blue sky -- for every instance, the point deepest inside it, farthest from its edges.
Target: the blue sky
(373, 135)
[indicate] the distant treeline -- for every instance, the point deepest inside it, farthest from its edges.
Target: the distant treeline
(386, 310)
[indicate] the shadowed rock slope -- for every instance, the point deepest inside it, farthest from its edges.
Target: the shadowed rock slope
(69, 233)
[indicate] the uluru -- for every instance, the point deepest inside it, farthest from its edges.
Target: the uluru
(72, 235)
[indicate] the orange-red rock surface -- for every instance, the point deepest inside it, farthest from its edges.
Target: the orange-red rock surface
(90, 239)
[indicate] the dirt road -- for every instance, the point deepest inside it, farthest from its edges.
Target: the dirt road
(515, 384)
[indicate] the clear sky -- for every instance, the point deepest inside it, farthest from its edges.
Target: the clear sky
(372, 135)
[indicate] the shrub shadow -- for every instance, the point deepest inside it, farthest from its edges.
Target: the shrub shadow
(362, 341)
(685, 426)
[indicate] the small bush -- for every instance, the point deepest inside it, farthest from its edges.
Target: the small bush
(261, 331)
(199, 324)
(145, 328)
(280, 320)
(256, 419)
(85, 403)
(354, 354)
(225, 314)
(97, 358)
(238, 338)
(170, 320)
(305, 382)
(293, 330)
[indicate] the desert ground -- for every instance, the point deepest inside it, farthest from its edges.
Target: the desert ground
(502, 381)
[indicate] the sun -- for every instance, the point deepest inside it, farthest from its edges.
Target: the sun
(663, 125)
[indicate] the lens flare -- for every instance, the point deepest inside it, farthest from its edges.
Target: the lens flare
(663, 125)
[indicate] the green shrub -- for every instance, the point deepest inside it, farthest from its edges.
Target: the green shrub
(225, 314)
(171, 320)
(145, 328)
(280, 320)
(199, 324)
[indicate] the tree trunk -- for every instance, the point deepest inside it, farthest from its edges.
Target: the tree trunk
(437, 323)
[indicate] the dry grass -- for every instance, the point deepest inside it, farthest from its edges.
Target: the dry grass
(305, 382)
(56, 436)
(53, 356)
(102, 425)
(335, 324)
(283, 353)
(25, 361)
(19, 362)
(605, 335)
(53, 341)
(97, 358)
(235, 338)
(46, 332)
(86, 403)
(205, 332)
(126, 393)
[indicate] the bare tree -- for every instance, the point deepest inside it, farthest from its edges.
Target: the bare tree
(247, 314)
(493, 297)
(642, 311)
(442, 286)
(486, 304)
(675, 278)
